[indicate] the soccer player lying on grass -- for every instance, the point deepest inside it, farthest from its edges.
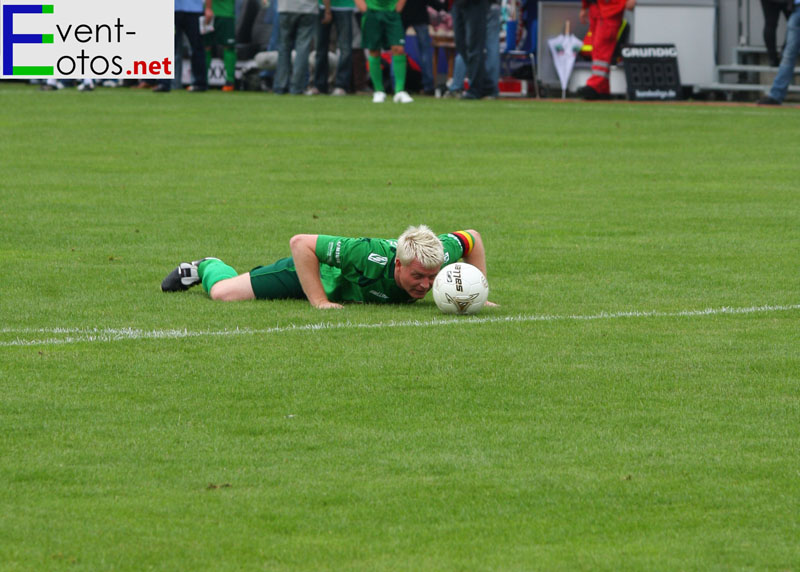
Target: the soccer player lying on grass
(328, 270)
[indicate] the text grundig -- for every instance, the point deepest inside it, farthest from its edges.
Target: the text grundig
(659, 52)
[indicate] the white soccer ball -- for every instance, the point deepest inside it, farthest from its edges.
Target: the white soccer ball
(460, 288)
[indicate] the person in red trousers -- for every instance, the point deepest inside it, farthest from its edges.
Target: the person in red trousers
(605, 19)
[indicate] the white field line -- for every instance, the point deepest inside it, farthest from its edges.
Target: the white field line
(29, 336)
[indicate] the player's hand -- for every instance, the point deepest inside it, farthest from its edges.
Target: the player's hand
(490, 304)
(327, 18)
(630, 4)
(326, 305)
(583, 16)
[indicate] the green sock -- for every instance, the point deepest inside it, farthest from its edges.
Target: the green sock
(375, 72)
(212, 271)
(399, 65)
(229, 59)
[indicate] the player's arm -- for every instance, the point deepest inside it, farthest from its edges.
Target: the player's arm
(307, 265)
(208, 12)
(477, 256)
(400, 5)
(361, 5)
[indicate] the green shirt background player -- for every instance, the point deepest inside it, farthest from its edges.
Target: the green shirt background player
(382, 28)
(327, 270)
(223, 35)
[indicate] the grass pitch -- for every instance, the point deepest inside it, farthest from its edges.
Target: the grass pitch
(632, 404)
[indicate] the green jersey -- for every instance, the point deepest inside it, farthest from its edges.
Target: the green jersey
(382, 5)
(223, 8)
(362, 269)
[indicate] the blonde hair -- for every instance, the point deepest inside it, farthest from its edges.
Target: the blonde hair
(421, 243)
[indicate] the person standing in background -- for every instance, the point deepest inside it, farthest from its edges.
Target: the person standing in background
(469, 29)
(224, 35)
(382, 28)
(187, 22)
(604, 18)
(785, 75)
(298, 22)
(415, 15)
(342, 18)
(772, 12)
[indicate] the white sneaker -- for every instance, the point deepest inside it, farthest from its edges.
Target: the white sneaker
(378, 97)
(338, 92)
(402, 97)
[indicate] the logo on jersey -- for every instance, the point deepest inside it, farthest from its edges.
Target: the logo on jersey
(338, 253)
(377, 259)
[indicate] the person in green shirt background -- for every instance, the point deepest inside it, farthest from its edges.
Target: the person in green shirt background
(223, 35)
(382, 28)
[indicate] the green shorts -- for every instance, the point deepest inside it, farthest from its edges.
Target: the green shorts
(224, 33)
(382, 29)
(276, 281)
